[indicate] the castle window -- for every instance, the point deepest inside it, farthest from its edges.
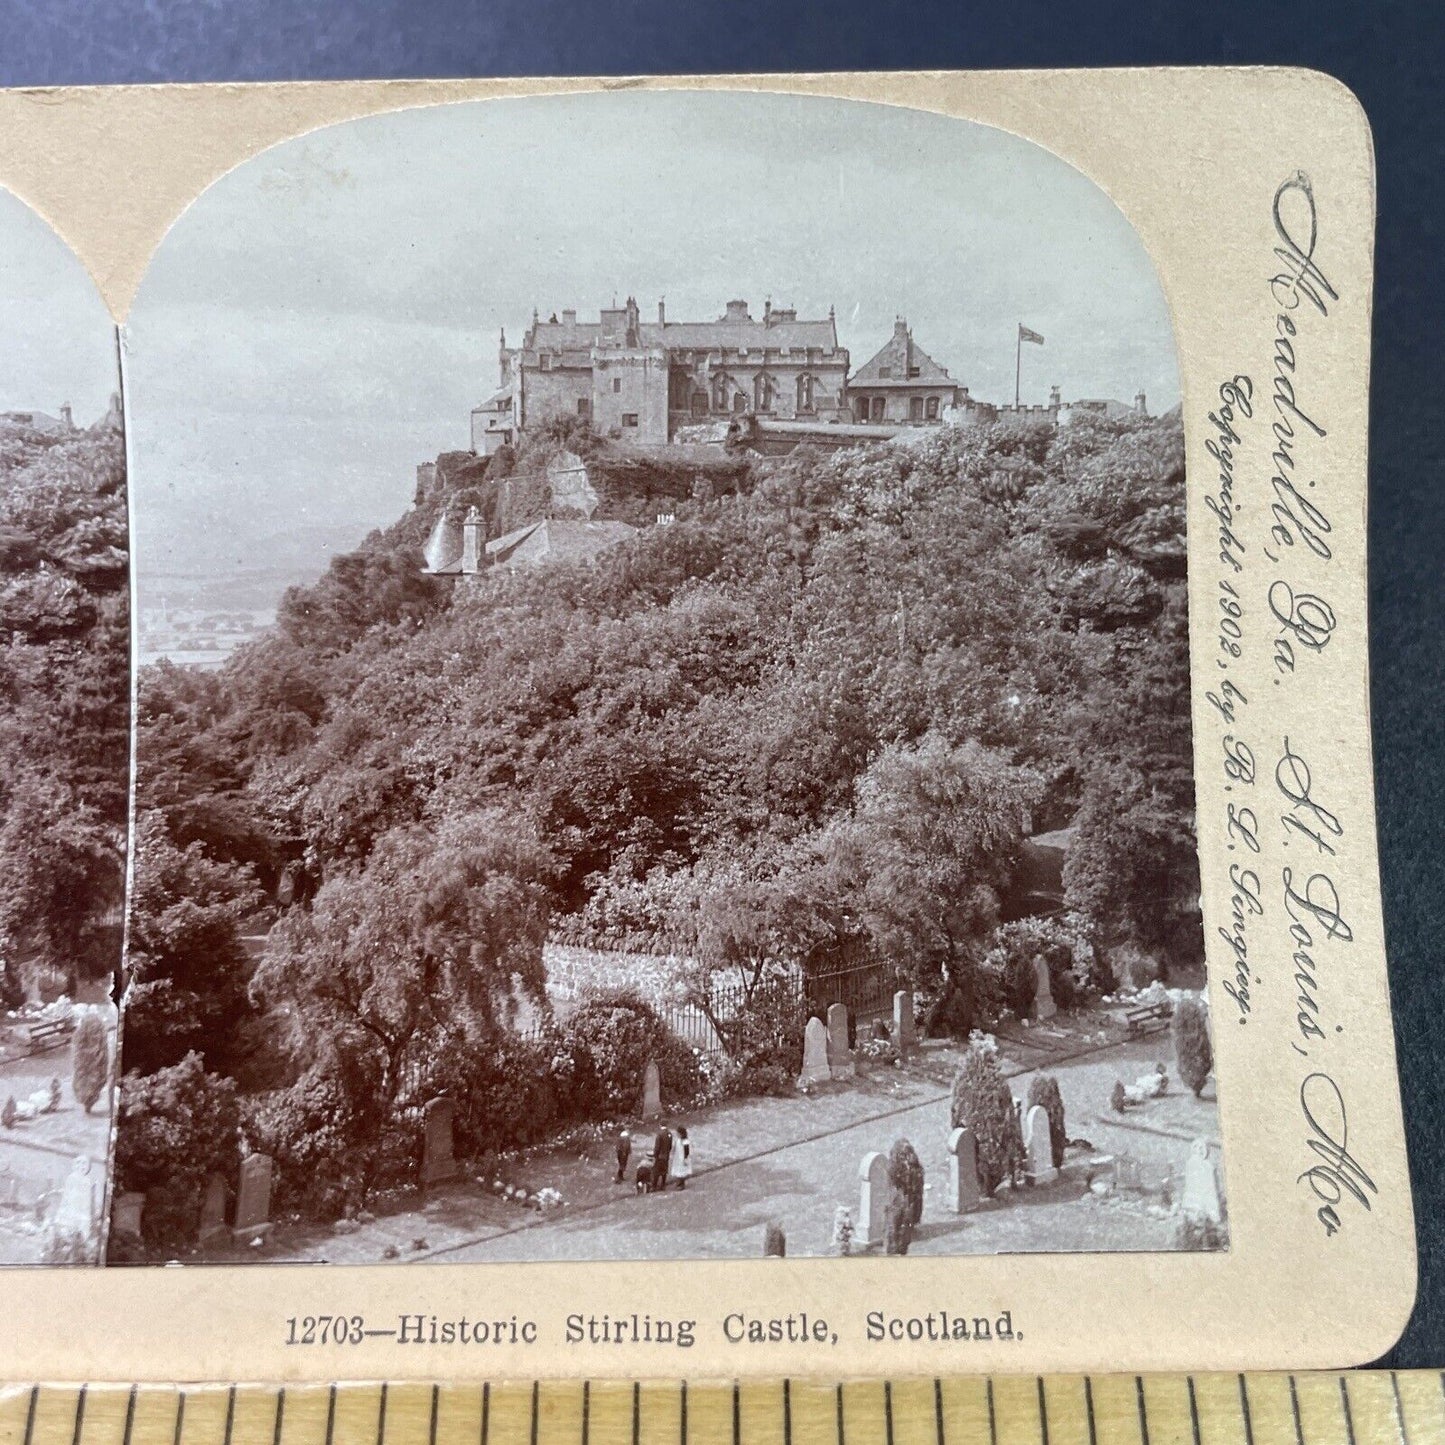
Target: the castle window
(740, 402)
(915, 408)
(720, 393)
(762, 392)
(629, 418)
(545, 361)
(933, 408)
(584, 406)
(805, 392)
(877, 408)
(914, 371)
(861, 407)
(884, 372)
(616, 384)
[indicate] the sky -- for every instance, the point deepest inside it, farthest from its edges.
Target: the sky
(326, 315)
(57, 340)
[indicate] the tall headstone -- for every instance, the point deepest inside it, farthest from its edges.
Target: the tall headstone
(905, 1031)
(438, 1164)
(651, 1091)
(872, 1198)
(129, 1211)
(962, 1171)
(1043, 992)
(1038, 1147)
(815, 1054)
(1201, 1184)
(253, 1199)
(75, 1213)
(213, 1210)
(840, 1056)
(1127, 1173)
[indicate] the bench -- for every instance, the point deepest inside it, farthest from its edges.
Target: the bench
(51, 1034)
(1147, 1018)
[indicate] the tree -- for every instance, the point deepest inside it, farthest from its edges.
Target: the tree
(441, 925)
(1192, 1054)
(982, 1103)
(90, 1059)
(1044, 1091)
(934, 834)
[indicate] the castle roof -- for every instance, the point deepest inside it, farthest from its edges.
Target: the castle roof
(556, 539)
(443, 550)
(733, 332)
(901, 362)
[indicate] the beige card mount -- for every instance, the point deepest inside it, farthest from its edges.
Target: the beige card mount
(751, 747)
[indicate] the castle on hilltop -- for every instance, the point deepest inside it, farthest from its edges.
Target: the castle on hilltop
(655, 382)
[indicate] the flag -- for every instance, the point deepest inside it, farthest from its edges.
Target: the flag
(1026, 335)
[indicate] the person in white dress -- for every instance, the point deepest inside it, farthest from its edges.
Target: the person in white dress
(679, 1162)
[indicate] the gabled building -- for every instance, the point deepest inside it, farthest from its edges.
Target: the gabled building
(903, 385)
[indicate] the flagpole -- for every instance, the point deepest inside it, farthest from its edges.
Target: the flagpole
(1018, 361)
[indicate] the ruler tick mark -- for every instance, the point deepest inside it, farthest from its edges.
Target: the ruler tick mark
(839, 1397)
(737, 1414)
(231, 1411)
(938, 1410)
(1193, 1411)
(1346, 1411)
(682, 1416)
(486, 1409)
(888, 1409)
(1399, 1409)
(30, 1414)
(787, 1412)
(436, 1394)
(636, 1413)
(380, 1417)
(586, 1409)
(537, 1410)
(330, 1413)
(1299, 1434)
(181, 1416)
(1043, 1414)
(1143, 1413)
(1089, 1409)
(992, 1420)
(130, 1414)
(280, 1415)
(1244, 1412)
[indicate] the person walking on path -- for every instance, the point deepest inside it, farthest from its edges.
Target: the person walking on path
(679, 1166)
(624, 1153)
(661, 1154)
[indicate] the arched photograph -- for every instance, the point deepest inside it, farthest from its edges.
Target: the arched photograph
(663, 709)
(64, 742)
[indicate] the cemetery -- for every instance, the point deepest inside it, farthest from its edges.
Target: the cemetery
(54, 1132)
(991, 1145)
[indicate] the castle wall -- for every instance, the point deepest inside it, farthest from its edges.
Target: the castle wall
(629, 394)
(552, 393)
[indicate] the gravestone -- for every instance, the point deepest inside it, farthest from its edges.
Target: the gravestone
(438, 1164)
(213, 1210)
(1127, 1174)
(815, 1054)
(840, 1056)
(905, 1031)
(129, 1210)
(1043, 992)
(253, 1199)
(651, 1091)
(75, 1213)
(872, 1198)
(1201, 1184)
(962, 1171)
(1038, 1147)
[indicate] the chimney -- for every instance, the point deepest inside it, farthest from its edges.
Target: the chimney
(66, 417)
(662, 312)
(1139, 404)
(633, 321)
(768, 312)
(569, 318)
(472, 543)
(1054, 399)
(737, 311)
(900, 329)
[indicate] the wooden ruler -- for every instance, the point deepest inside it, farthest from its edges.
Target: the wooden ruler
(1358, 1408)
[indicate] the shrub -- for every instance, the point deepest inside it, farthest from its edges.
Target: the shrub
(7, 1114)
(1044, 1090)
(510, 1091)
(1117, 1098)
(611, 1038)
(765, 1043)
(1074, 968)
(52, 1105)
(1192, 1054)
(90, 1059)
(12, 986)
(897, 1224)
(775, 1242)
(843, 1230)
(905, 1175)
(981, 1102)
(1132, 966)
(175, 1127)
(316, 1144)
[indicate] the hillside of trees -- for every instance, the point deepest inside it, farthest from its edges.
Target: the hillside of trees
(64, 706)
(815, 716)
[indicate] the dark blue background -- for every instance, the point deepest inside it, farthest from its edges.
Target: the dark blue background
(1390, 54)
